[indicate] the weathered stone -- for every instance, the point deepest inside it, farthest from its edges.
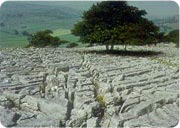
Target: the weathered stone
(40, 122)
(105, 123)
(104, 88)
(89, 108)
(29, 103)
(56, 110)
(92, 122)
(129, 102)
(52, 80)
(25, 79)
(78, 117)
(7, 103)
(61, 67)
(80, 100)
(127, 116)
(26, 117)
(117, 79)
(136, 122)
(110, 109)
(115, 121)
(8, 118)
(15, 98)
(108, 98)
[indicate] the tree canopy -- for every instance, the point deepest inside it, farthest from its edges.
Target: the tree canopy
(115, 22)
(173, 36)
(43, 39)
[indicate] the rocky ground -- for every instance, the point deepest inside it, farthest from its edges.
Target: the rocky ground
(68, 87)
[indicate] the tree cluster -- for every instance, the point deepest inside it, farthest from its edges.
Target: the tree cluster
(115, 22)
(43, 39)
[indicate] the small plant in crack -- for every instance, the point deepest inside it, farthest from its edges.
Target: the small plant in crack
(99, 111)
(101, 101)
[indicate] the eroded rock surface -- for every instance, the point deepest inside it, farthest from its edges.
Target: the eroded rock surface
(67, 87)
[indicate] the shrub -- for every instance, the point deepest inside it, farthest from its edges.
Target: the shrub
(44, 38)
(71, 45)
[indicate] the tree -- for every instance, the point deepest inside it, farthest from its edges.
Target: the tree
(16, 32)
(115, 22)
(44, 38)
(161, 37)
(25, 33)
(173, 36)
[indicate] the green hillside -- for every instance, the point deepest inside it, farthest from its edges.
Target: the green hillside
(19, 17)
(167, 24)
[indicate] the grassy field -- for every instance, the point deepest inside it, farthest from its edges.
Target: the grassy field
(10, 40)
(7, 40)
(60, 32)
(65, 34)
(25, 16)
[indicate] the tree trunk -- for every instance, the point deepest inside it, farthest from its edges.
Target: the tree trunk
(123, 42)
(112, 46)
(107, 47)
(125, 47)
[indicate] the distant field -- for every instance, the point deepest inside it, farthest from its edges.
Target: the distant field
(25, 16)
(59, 28)
(21, 41)
(60, 32)
(10, 40)
(65, 34)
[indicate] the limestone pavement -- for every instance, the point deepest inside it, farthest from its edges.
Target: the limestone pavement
(72, 88)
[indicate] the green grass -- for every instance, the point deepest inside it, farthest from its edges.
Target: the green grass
(70, 38)
(65, 34)
(33, 22)
(25, 16)
(14, 43)
(61, 29)
(10, 40)
(60, 32)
